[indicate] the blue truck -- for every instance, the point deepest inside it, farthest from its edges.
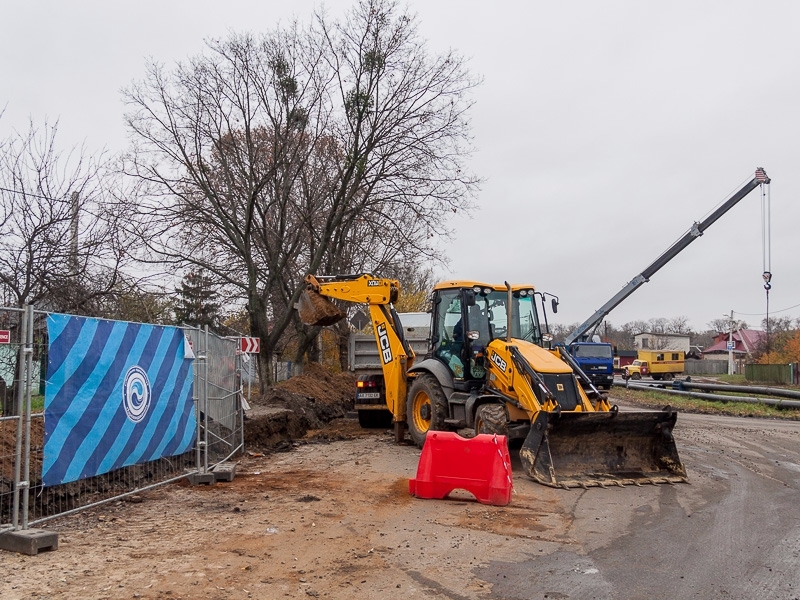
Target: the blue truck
(596, 359)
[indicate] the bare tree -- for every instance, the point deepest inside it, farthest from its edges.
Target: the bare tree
(60, 236)
(60, 244)
(678, 325)
(332, 147)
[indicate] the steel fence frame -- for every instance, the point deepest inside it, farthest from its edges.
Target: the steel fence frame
(217, 400)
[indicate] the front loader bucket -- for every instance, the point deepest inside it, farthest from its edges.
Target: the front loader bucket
(583, 449)
(315, 309)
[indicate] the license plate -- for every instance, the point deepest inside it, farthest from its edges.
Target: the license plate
(368, 395)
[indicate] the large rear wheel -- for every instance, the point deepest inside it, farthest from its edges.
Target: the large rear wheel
(426, 409)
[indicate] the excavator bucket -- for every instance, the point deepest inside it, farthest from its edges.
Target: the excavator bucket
(585, 449)
(315, 309)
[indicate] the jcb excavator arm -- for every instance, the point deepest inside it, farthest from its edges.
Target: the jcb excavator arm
(397, 357)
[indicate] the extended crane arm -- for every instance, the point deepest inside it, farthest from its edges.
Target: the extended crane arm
(379, 295)
(697, 229)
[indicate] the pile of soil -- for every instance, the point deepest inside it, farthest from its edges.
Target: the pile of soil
(290, 409)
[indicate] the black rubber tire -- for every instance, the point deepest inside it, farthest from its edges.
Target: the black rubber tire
(491, 418)
(374, 419)
(425, 391)
(636, 376)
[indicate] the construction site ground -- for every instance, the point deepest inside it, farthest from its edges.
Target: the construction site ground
(321, 508)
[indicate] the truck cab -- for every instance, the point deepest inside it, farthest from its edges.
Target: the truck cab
(637, 369)
(596, 359)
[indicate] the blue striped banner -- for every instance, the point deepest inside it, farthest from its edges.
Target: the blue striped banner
(117, 394)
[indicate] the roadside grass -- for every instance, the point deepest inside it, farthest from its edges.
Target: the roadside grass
(732, 379)
(657, 399)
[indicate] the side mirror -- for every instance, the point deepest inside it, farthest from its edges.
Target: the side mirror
(554, 305)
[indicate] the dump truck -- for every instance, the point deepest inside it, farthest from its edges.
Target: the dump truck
(490, 368)
(658, 364)
(364, 361)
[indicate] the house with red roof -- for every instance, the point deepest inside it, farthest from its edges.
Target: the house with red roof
(745, 343)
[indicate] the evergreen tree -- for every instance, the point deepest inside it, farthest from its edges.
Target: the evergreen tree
(197, 304)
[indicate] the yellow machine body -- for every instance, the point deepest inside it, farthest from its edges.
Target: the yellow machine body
(490, 367)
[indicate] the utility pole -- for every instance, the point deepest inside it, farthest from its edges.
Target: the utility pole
(73, 232)
(730, 346)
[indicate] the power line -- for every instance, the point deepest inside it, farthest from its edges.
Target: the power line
(3, 189)
(764, 314)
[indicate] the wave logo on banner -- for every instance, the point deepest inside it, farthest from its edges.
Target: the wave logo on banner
(117, 394)
(136, 393)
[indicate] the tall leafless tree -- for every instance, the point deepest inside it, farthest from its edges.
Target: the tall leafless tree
(332, 147)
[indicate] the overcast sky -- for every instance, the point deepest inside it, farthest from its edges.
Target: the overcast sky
(603, 129)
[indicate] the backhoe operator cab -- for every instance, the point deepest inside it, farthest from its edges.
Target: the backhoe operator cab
(466, 317)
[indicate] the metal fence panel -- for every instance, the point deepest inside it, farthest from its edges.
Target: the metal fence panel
(218, 395)
(769, 373)
(25, 501)
(706, 367)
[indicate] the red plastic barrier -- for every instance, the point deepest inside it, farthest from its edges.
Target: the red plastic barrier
(480, 465)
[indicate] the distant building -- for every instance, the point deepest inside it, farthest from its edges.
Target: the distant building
(623, 358)
(745, 343)
(661, 341)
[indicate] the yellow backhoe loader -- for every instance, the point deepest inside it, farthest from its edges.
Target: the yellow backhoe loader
(490, 368)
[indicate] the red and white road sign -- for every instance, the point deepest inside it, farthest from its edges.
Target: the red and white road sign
(250, 345)
(5, 336)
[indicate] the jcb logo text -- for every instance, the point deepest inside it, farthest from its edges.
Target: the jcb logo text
(373, 283)
(496, 359)
(383, 342)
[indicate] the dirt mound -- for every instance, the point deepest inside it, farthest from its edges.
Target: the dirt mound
(332, 392)
(293, 407)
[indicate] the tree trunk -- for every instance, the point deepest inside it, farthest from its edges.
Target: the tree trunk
(344, 351)
(259, 327)
(342, 330)
(307, 346)
(8, 399)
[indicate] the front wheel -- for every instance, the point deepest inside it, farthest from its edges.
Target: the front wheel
(426, 408)
(636, 376)
(491, 418)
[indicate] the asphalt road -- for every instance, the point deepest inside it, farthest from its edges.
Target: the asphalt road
(334, 519)
(733, 532)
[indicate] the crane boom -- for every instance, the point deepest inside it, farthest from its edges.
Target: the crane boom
(695, 232)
